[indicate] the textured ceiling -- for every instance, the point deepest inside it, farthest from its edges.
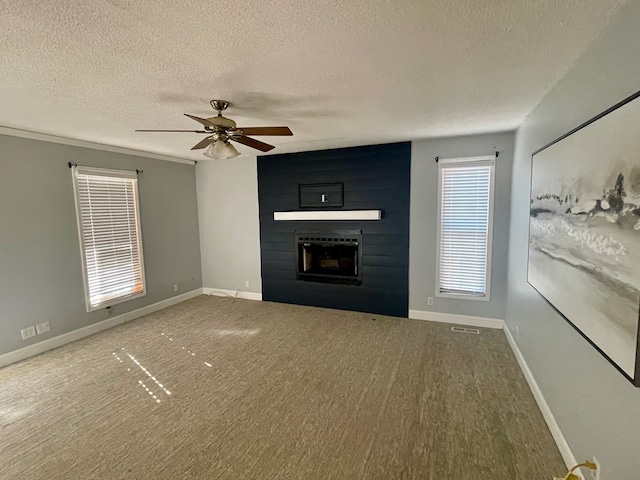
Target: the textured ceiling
(339, 73)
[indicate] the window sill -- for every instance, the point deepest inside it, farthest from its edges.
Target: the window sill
(464, 296)
(116, 301)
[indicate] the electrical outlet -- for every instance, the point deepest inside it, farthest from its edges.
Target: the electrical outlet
(430, 301)
(246, 283)
(595, 474)
(43, 328)
(175, 287)
(28, 332)
(108, 312)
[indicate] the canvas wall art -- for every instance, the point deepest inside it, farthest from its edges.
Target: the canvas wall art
(584, 231)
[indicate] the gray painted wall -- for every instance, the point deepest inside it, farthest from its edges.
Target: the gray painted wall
(40, 265)
(424, 221)
(597, 409)
(229, 223)
(230, 233)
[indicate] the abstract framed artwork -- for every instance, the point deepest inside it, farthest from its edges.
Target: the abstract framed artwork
(584, 231)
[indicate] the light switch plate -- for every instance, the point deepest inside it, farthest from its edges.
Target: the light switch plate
(595, 474)
(28, 332)
(43, 328)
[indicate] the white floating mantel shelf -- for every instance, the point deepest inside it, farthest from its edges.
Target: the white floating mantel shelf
(329, 215)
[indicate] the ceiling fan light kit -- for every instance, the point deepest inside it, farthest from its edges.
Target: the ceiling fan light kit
(220, 149)
(222, 130)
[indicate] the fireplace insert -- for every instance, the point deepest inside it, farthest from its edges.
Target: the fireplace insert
(333, 256)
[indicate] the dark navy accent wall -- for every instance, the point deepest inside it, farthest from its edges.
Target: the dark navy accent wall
(375, 178)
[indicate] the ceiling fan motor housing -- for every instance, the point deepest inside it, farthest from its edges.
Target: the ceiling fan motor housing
(222, 122)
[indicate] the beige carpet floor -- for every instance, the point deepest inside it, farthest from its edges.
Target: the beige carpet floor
(220, 388)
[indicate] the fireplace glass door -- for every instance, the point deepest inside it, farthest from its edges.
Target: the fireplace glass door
(330, 257)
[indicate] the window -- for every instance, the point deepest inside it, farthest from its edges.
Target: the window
(465, 204)
(109, 228)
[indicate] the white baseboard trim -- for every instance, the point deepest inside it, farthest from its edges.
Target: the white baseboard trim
(457, 319)
(221, 292)
(567, 455)
(60, 340)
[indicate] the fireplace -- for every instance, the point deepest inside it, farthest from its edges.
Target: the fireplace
(333, 256)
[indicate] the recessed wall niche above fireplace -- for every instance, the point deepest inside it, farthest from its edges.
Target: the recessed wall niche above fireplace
(352, 257)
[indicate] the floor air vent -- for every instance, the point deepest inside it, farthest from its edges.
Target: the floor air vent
(465, 330)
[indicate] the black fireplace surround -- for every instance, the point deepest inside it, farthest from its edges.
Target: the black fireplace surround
(330, 256)
(344, 264)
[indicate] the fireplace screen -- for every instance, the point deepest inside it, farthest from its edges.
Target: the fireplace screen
(330, 257)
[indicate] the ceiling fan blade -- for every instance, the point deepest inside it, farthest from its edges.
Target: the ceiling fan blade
(203, 121)
(250, 142)
(203, 143)
(266, 131)
(192, 131)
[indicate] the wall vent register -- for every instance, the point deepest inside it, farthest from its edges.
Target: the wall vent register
(329, 257)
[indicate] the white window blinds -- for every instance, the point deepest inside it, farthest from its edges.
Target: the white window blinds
(464, 227)
(109, 229)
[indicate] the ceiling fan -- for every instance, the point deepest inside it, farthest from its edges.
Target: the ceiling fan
(222, 130)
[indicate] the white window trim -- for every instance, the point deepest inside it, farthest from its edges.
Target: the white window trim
(461, 162)
(85, 278)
